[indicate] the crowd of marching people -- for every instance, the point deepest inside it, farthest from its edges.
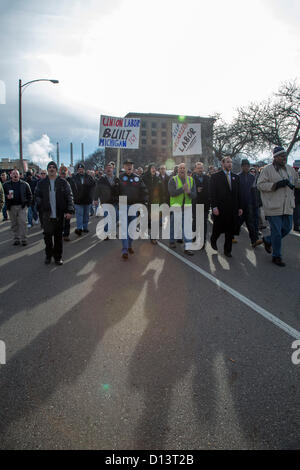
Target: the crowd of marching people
(255, 196)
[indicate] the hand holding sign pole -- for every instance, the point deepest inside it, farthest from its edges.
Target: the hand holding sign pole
(118, 162)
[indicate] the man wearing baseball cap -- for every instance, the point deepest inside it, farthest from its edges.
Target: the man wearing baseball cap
(276, 183)
(132, 186)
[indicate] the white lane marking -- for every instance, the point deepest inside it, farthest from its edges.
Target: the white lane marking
(269, 316)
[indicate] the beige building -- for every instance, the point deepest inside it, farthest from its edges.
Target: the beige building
(156, 139)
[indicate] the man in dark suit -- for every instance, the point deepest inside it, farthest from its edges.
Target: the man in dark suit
(202, 183)
(225, 204)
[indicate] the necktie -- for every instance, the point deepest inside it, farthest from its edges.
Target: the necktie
(228, 179)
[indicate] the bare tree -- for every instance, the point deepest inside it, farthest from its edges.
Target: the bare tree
(275, 121)
(94, 160)
(231, 139)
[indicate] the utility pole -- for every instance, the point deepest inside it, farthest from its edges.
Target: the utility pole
(71, 153)
(82, 152)
(20, 125)
(57, 153)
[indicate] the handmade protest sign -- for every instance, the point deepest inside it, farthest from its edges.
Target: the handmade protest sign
(186, 139)
(116, 132)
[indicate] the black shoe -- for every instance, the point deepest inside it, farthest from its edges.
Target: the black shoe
(268, 246)
(213, 245)
(296, 229)
(131, 251)
(59, 262)
(47, 260)
(78, 232)
(172, 245)
(125, 255)
(257, 243)
(278, 261)
(154, 242)
(179, 241)
(24, 243)
(16, 242)
(85, 230)
(189, 252)
(228, 254)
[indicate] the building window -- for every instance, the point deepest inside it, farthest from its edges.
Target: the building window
(163, 134)
(144, 141)
(163, 142)
(153, 124)
(153, 133)
(144, 124)
(163, 125)
(144, 133)
(153, 142)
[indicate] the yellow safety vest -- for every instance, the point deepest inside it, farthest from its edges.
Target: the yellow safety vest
(183, 198)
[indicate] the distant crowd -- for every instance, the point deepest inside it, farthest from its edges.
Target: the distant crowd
(255, 196)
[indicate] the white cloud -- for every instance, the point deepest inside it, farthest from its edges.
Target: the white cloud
(38, 151)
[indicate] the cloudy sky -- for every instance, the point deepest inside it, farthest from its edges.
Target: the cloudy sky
(191, 57)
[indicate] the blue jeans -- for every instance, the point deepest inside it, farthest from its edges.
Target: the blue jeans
(117, 217)
(4, 212)
(281, 225)
(32, 214)
(82, 216)
(172, 240)
(127, 242)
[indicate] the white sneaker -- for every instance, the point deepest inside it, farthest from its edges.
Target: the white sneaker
(29, 225)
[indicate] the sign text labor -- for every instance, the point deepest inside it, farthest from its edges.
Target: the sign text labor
(118, 132)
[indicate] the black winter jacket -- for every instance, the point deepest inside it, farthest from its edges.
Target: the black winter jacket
(106, 192)
(64, 197)
(25, 193)
(83, 193)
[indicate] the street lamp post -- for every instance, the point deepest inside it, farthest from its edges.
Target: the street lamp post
(20, 111)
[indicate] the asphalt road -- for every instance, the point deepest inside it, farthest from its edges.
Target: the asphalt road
(148, 353)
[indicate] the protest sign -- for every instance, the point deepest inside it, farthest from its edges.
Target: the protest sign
(118, 132)
(186, 139)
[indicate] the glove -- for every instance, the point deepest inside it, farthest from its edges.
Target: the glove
(281, 184)
(290, 185)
